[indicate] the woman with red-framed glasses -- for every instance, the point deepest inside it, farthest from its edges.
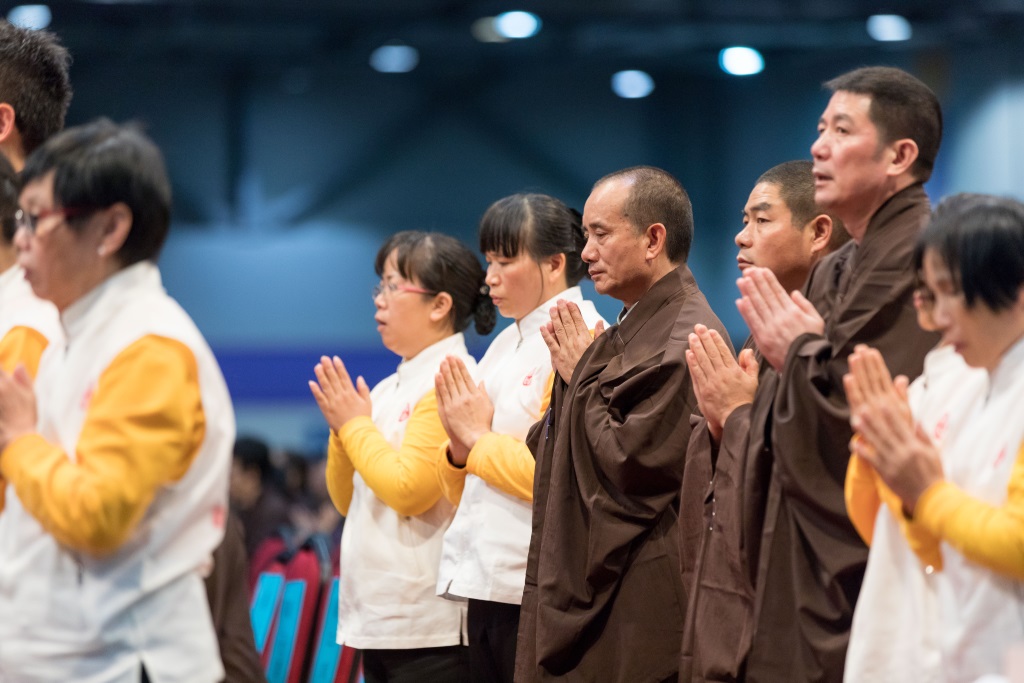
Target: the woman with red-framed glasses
(380, 467)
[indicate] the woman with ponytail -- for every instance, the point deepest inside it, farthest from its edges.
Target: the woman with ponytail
(532, 243)
(381, 471)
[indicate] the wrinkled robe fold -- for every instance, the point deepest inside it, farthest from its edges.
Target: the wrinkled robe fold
(603, 598)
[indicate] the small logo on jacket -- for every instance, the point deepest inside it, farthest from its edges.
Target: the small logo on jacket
(83, 405)
(406, 412)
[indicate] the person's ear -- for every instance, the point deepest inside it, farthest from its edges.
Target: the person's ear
(903, 154)
(117, 224)
(7, 122)
(555, 266)
(441, 307)
(821, 227)
(656, 235)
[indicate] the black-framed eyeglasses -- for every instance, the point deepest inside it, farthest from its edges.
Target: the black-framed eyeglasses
(30, 222)
(389, 289)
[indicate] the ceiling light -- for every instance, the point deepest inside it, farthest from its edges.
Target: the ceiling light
(741, 61)
(517, 24)
(889, 27)
(483, 29)
(394, 59)
(632, 84)
(32, 17)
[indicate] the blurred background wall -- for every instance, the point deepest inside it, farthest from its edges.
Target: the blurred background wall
(292, 157)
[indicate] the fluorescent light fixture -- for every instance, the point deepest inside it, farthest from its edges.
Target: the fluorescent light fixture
(394, 59)
(889, 27)
(741, 61)
(32, 17)
(632, 84)
(517, 24)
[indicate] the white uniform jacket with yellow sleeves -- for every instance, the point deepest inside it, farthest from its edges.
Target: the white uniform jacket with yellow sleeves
(485, 548)
(381, 476)
(116, 504)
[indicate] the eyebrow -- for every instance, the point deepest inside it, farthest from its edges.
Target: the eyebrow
(763, 206)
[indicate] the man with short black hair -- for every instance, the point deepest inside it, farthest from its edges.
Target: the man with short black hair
(877, 141)
(728, 466)
(603, 599)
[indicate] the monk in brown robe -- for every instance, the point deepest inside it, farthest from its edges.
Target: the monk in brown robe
(877, 143)
(603, 598)
(725, 482)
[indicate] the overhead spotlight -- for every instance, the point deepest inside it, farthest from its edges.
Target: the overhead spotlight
(889, 28)
(741, 61)
(394, 59)
(517, 24)
(632, 84)
(32, 17)
(483, 29)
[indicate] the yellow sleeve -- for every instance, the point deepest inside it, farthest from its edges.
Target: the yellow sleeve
(142, 430)
(506, 463)
(988, 535)
(22, 345)
(406, 479)
(451, 478)
(862, 498)
(339, 475)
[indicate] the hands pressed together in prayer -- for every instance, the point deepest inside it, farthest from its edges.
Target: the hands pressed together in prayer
(774, 317)
(567, 337)
(17, 406)
(339, 399)
(886, 435)
(720, 382)
(465, 408)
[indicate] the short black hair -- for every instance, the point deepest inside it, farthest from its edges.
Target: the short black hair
(901, 107)
(8, 200)
(655, 196)
(980, 238)
(538, 224)
(443, 264)
(34, 81)
(100, 164)
(795, 182)
(254, 454)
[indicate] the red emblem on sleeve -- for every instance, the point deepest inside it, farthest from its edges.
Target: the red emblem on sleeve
(528, 380)
(218, 515)
(405, 413)
(87, 397)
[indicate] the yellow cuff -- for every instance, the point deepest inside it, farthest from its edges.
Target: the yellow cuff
(21, 447)
(354, 425)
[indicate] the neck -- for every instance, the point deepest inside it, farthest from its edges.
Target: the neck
(858, 218)
(428, 340)
(658, 269)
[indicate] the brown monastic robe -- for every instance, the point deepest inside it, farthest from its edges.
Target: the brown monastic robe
(775, 587)
(603, 598)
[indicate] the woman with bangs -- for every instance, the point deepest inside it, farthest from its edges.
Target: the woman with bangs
(381, 463)
(949, 457)
(532, 243)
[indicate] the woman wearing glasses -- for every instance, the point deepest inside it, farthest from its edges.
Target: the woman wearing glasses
(942, 598)
(532, 243)
(380, 468)
(117, 477)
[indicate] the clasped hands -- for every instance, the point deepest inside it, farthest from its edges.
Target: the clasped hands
(886, 434)
(721, 383)
(17, 406)
(464, 407)
(339, 399)
(775, 318)
(567, 337)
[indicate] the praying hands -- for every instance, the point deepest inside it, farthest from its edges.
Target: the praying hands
(774, 317)
(720, 382)
(464, 407)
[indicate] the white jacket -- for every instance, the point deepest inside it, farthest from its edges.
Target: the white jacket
(68, 616)
(389, 561)
(484, 555)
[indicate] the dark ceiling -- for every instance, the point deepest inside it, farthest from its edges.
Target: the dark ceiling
(654, 31)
